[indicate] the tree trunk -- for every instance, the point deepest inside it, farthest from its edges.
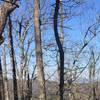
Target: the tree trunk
(6, 93)
(5, 11)
(27, 84)
(12, 60)
(1, 83)
(39, 59)
(21, 70)
(60, 47)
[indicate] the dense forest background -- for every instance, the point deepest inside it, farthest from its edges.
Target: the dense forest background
(49, 50)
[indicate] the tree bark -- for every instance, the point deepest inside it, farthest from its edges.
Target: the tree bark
(60, 47)
(21, 69)
(6, 93)
(12, 60)
(27, 84)
(1, 83)
(5, 11)
(39, 59)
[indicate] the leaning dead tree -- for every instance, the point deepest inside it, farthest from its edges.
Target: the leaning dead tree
(5, 10)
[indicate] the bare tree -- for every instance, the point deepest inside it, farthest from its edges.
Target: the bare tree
(39, 59)
(1, 83)
(24, 60)
(5, 10)
(6, 92)
(92, 75)
(60, 48)
(12, 60)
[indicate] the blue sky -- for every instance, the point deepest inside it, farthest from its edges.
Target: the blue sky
(88, 13)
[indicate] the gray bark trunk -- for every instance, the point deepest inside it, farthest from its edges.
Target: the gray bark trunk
(1, 83)
(6, 93)
(12, 60)
(39, 59)
(5, 11)
(21, 71)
